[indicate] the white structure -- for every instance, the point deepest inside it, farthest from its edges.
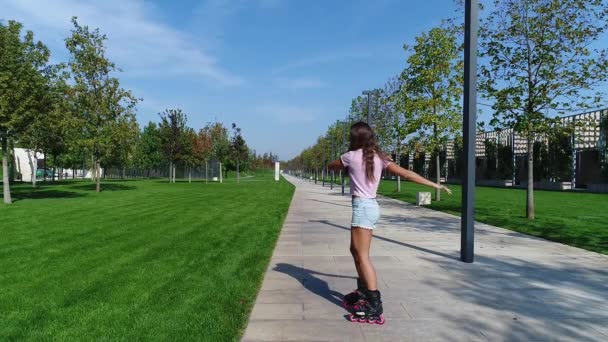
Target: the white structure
(27, 162)
(277, 167)
(423, 198)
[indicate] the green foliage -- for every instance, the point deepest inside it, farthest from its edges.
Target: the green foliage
(505, 162)
(238, 148)
(22, 81)
(106, 109)
(220, 141)
(457, 166)
(22, 87)
(433, 84)
(560, 154)
(538, 58)
(491, 155)
(172, 132)
(541, 161)
(148, 153)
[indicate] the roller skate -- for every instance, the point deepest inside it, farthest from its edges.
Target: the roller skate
(356, 298)
(370, 311)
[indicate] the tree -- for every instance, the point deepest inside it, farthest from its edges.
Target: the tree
(220, 142)
(173, 137)
(433, 80)
(238, 148)
(55, 125)
(22, 84)
(187, 156)
(398, 105)
(121, 136)
(537, 60)
(148, 151)
(358, 109)
(204, 147)
(98, 96)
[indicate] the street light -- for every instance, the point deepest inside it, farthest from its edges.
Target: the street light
(467, 222)
(369, 94)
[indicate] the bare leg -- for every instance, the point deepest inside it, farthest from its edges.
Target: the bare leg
(353, 251)
(361, 239)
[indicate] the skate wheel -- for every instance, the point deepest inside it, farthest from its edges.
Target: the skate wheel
(352, 318)
(362, 320)
(381, 320)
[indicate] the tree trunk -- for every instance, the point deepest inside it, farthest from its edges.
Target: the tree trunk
(238, 175)
(206, 172)
(98, 167)
(189, 175)
(174, 167)
(438, 172)
(54, 168)
(530, 193)
(170, 172)
(5, 176)
(437, 161)
(45, 168)
(221, 179)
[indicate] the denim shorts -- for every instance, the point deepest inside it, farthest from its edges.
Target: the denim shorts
(366, 213)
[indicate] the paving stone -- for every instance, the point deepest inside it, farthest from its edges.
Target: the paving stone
(520, 288)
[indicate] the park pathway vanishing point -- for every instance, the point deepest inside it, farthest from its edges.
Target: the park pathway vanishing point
(519, 288)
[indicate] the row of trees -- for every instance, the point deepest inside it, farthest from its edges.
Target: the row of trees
(78, 107)
(78, 114)
(537, 61)
(171, 143)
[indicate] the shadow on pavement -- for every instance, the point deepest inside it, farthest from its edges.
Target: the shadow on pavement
(313, 284)
(392, 241)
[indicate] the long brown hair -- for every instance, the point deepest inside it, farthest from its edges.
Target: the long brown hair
(362, 137)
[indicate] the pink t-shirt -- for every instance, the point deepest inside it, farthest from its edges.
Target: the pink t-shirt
(360, 186)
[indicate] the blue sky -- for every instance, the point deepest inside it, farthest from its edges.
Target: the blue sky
(283, 70)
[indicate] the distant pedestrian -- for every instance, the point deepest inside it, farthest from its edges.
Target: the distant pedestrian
(364, 163)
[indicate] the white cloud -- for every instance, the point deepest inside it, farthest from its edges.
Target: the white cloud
(287, 114)
(138, 41)
(298, 83)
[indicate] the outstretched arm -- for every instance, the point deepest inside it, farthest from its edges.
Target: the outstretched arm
(414, 177)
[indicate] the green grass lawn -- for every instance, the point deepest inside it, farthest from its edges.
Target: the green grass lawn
(574, 218)
(143, 260)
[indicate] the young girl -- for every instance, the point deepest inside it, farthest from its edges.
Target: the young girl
(364, 163)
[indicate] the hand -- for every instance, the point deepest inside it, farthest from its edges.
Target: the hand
(446, 189)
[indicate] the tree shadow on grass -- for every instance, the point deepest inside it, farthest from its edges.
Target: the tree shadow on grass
(313, 284)
(104, 187)
(23, 194)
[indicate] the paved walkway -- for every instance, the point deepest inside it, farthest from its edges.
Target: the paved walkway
(519, 288)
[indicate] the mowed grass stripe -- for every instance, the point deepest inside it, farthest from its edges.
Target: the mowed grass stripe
(147, 261)
(574, 218)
